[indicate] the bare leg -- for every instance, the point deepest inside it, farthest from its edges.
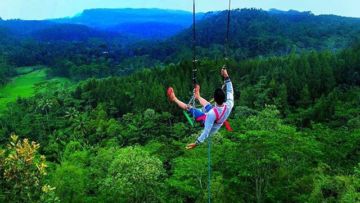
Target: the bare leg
(173, 98)
(201, 100)
(181, 104)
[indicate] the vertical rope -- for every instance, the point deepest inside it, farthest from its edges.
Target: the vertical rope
(209, 169)
(227, 46)
(227, 34)
(194, 71)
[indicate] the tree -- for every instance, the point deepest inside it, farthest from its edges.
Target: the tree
(189, 179)
(70, 181)
(339, 188)
(267, 158)
(133, 176)
(71, 177)
(23, 172)
(305, 99)
(5, 70)
(281, 100)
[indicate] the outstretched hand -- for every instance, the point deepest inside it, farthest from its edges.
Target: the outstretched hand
(224, 73)
(191, 146)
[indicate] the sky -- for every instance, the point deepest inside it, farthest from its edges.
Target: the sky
(45, 9)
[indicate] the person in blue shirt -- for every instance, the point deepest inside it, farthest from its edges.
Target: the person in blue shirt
(213, 117)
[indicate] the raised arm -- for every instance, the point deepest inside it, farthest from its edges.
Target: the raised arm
(229, 89)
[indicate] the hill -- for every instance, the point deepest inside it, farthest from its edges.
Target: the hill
(44, 31)
(135, 24)
(142, 23)
(296, 129)
(73, 32)
(253, 33)
(256, 32)
(22, 28)
(112, 17)
(296, 120)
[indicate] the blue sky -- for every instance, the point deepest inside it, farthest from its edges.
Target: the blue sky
(42, 9)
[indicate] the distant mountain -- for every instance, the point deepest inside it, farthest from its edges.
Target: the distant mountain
(47, 31)
(70, 32)
(4, 36)
(112, 17)
(148, 30)
(253, 32)
(256, 32)
(142, 23)
(137, 24)
(24, 27)
(289, 12)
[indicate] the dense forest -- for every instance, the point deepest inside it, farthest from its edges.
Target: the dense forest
(112, 136)
(76, 50)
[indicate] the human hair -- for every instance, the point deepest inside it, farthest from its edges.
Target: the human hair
(219, 96)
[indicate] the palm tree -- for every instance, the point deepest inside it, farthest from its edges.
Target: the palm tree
(79, 126)
(71, 114)
(44, 106)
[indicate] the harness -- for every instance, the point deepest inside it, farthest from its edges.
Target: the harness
(218, 118)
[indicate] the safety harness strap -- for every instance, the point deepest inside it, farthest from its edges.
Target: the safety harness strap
(218, 118)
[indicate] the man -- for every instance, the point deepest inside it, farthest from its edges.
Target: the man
(214, 117)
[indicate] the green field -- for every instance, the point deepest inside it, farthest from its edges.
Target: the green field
(26, 70)
(21, 86)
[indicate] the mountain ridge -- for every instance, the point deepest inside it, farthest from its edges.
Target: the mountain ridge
(141, 20)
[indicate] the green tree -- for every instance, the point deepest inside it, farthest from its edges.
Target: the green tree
(23, 172)
(305, 99)
(70, 181)
(267, 159)
(337, 188)
(133, 176)
(71, 177)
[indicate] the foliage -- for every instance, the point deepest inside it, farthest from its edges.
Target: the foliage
(258, 163)
(79, 52)
(296, 119)
(6, 70)
(334, 188)
(23, 172)
(70, 182)
(132, 176)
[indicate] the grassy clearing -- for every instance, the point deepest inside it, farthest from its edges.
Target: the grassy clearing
(25, 70)
(24, 84)
(21, 86)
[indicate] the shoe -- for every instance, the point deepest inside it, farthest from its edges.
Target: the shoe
(170, 94)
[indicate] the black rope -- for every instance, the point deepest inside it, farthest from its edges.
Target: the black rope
(194, 70)
(227, 35)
